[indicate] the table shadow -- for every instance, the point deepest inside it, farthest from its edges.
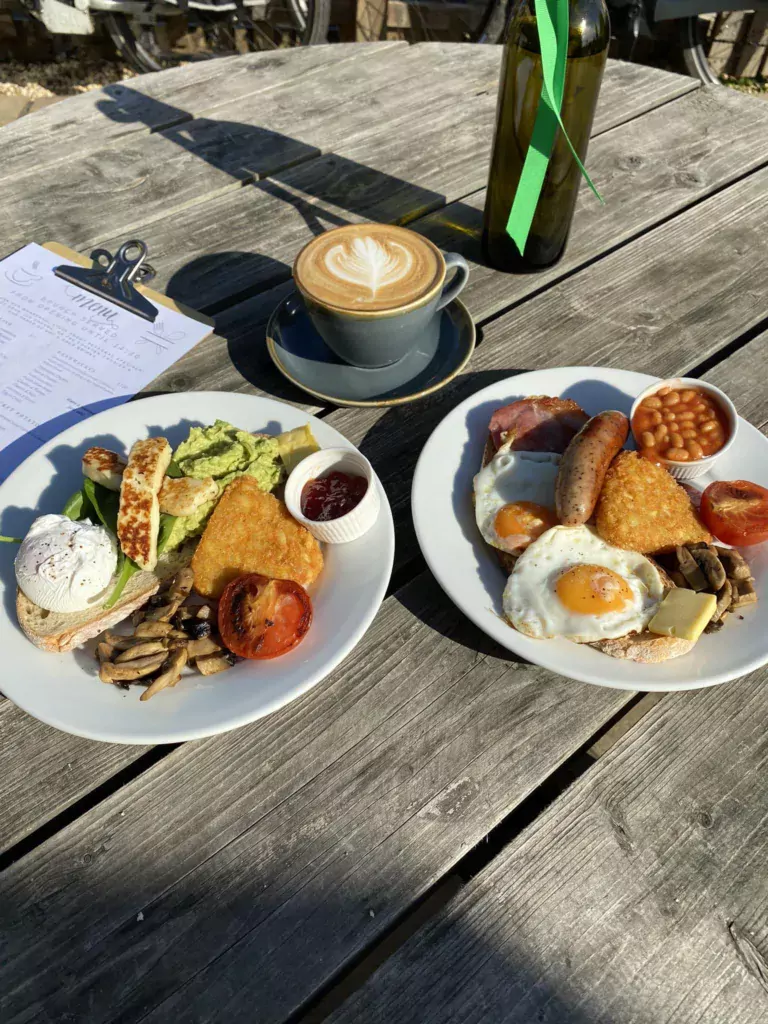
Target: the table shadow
(335, 190)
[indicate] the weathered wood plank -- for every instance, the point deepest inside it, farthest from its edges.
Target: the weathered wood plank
(44, 771)
(296, 840)
(647, 170)
(662, 304)
(640, 895)
(152, 176)
(249, 237)
(82, 124)
(742, 377)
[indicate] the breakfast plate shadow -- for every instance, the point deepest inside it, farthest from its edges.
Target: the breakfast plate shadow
(301, 355)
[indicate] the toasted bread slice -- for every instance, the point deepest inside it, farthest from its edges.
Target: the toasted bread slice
(646, 647)
(138, 519)
(57, 632)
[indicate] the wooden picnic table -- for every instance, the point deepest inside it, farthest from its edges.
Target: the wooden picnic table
(436, 808)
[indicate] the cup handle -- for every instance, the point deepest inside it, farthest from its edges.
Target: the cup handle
(460, 278)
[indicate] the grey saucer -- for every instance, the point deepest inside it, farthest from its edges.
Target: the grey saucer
(302, 356)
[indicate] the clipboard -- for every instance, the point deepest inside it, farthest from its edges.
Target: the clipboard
(120, 279)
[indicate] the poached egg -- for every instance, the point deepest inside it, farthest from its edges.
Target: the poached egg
(65, 566)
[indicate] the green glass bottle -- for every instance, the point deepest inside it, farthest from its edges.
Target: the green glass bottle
(519, 91)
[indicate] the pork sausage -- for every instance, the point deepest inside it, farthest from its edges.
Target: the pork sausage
(584, 465)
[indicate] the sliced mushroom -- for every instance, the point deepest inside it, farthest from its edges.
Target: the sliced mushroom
(120, 642)
(181, 585)
(723, 601)
(744, 595)
(711, 567)
(169, 676)
(690, 569)
(678, 579)
(132, 670)
(104, 651)
(734, 563)
(213, 663)
(203, 646)
(142, 650)
(204, 612)
(714, 625)
(154, 629)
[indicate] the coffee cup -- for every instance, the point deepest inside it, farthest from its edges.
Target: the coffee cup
(374, 291)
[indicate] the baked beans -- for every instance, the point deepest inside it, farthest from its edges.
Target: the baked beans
(680, 424)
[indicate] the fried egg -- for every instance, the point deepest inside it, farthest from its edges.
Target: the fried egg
(515, 498)
(570, 583)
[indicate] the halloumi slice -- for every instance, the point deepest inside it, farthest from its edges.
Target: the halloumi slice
(181, 496)
(138, 518)
(104, 467)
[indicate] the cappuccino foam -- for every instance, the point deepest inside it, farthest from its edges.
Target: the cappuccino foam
(368, 267)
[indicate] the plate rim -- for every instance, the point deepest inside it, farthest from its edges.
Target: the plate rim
(644, 683)
(180, 735)
(370, 403)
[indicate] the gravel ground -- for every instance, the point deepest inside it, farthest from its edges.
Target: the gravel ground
(61, 78)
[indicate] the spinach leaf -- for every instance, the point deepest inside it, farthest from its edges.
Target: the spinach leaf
(125, 569)
(79, 506)
(174, 470)
(105, 504)
(164, 533)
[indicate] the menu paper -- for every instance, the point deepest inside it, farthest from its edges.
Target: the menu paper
(66, 353)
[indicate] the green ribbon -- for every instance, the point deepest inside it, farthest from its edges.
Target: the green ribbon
(552, 24)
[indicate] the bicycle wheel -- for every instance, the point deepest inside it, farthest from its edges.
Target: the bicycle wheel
(493, 23)
(160, 41)
(695, 34)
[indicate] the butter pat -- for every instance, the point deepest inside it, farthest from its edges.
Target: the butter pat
(683, 613)
(295, 445)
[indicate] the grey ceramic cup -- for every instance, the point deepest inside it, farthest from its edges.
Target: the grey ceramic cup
(373, 339)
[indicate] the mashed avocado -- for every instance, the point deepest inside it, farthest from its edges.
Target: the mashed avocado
(222, 452)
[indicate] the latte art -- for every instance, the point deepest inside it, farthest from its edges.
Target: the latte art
(369, 263)
(369, 268)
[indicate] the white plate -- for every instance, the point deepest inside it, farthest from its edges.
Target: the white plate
(469, 573)
(64, 691)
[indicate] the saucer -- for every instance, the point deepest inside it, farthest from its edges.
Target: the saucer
(302, 356)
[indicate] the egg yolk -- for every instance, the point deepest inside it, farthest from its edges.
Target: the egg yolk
(592, 590)
(524, 518)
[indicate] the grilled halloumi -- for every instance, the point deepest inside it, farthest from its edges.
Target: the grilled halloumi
(183, 495)
(104, 467)
(138, 518)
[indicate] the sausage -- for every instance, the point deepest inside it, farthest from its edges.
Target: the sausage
(584, 465)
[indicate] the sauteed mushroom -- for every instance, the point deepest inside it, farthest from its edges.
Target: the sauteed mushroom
(129, 671)
(690, 569)
(169, 676)
(711, 567)
(141, 650)
(172, 635)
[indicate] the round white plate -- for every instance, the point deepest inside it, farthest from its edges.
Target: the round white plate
(469, 573)
(64, 689)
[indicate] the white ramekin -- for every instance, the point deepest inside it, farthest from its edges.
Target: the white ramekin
(690, 470)
(355, 523)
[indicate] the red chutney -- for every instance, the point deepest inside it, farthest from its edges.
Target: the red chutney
(332, 496)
